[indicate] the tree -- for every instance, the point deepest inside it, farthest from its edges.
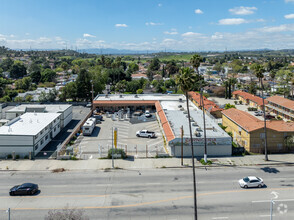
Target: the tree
(35, 73)
(83, 83)
(154, 64)
(195, 61)
(48, 75)
(24, 83)
(18, 70)
(69, 92)
(64, 66)
(6, 64)
(185, 80)
(172, 68)
(284, 76)
(133, 67)
(259, 70)
(228, 106)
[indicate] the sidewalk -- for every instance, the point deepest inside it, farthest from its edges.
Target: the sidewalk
(149, 163)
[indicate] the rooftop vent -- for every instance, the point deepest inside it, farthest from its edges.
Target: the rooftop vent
(136, 96)
(120, 96)
(180, 100)
(106, 96)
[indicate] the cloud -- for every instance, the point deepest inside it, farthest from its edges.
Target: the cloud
(243, 10)
(287, 1)
(27, 34)
(191, 34)
(280, 28)
(217, 36)
(153, 24)
(198, 11)
(88, 35)
(159, 5)
(232, 21)
(172, 32)
(289, 16)
(121, 25)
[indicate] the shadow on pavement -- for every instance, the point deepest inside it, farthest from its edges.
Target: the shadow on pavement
(96, 132)
(270, 170)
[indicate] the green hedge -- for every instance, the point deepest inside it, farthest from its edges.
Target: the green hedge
(117, 151)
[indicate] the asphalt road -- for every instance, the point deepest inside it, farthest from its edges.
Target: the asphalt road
(152, 194)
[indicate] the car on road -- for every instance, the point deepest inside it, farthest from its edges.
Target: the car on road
(24, 189)
(251, 181)
(145, 133)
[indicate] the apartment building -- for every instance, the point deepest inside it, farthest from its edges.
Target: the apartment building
(281, 107)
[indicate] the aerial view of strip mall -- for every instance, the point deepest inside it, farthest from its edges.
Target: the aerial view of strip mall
(146, 110)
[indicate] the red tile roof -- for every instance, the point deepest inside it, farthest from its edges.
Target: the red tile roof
(164, 122)
(208, 105)
(282, 101)
(250, 97)
(251, 123)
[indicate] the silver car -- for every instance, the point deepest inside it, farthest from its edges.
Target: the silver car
(251, 181)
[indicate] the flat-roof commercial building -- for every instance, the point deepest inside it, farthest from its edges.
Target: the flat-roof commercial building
(29, 132)
(172, 115)
(248, 131)
(281, 106)
(65, 110)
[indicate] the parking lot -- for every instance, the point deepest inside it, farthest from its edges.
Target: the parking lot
(98, 144)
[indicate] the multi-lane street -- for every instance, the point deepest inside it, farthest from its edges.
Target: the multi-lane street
(152, 194)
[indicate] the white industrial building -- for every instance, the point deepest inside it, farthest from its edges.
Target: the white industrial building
(65, 110)
(30, 132)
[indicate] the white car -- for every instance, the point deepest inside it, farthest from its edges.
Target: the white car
(147, 114)
(145, 133)
(251, 181)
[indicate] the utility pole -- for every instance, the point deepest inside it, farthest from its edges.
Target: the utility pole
(264, 119)
(112, 151)
(182, 137)
(203, 111)
(8, 211)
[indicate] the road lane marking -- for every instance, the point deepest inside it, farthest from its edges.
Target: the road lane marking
(56, 196)
(139, 204)
(220, 218)
(275, 200)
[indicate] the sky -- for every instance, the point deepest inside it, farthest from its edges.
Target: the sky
(162, 25)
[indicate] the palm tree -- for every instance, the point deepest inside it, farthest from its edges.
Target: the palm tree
(195, 60)
(185, 79)
(259, 70)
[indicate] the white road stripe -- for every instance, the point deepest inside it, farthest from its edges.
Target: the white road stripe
(266, 215)
(220, 218)
(275, 200)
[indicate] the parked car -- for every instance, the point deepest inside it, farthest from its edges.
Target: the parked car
(24, 189)
(145, 133)
(258, 113)
(89, 105)
(251, 181)
(147, 114)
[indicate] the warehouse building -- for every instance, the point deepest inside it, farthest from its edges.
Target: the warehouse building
(29, 133)
(64, 110)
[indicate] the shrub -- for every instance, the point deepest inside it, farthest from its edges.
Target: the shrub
(209, 162)
(230, 133)
(222, 126)
(26, 157)
(117, 151)
(74, 158)
(234, 144)
(228, 106)
(17, 156)
(240, 102)
(236, 102)
(9, 156)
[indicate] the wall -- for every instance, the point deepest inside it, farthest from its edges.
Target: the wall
(212, 150)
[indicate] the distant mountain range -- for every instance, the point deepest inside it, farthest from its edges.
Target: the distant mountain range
(121, 51)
